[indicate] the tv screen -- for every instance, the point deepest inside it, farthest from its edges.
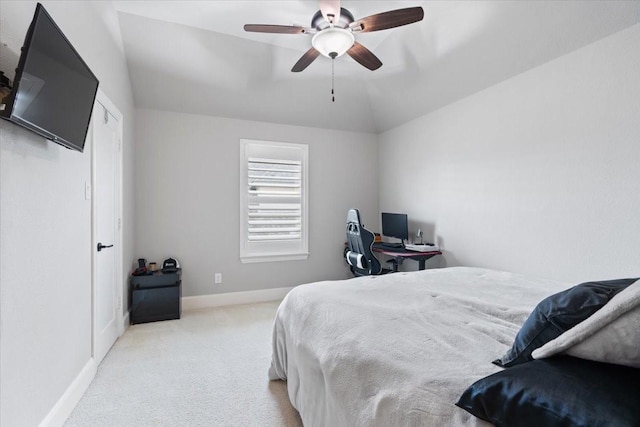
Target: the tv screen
(395, 225)
(54, 90)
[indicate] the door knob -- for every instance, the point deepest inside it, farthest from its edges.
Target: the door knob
(101, 246)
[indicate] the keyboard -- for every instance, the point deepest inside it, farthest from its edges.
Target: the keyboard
(421, 248)
(391, 245)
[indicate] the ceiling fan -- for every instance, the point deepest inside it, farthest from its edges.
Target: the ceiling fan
(333, 28)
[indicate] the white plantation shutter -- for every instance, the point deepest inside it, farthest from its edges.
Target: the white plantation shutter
(273, 208)
(271, 180)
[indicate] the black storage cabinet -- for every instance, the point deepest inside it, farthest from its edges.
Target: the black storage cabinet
(156, 297)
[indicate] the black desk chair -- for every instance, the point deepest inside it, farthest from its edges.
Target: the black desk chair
(358, 252)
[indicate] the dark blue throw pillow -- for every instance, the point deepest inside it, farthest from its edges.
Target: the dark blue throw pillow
(558, 313)
(561, 391)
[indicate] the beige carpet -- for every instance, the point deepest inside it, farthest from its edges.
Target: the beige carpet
(207, 369)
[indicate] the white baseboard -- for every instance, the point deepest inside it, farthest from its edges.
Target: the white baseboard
(233, 298)
(64, 406)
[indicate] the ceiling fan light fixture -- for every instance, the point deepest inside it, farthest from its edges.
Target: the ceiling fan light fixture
(333, 42)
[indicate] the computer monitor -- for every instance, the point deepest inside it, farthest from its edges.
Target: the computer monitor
(395, 225)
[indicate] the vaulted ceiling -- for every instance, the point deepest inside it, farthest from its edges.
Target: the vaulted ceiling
(195, 57)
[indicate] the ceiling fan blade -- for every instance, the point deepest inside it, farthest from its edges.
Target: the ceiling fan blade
(364, 56)
(330, 10)
(305, 60)
(280, 29)
(390, 19)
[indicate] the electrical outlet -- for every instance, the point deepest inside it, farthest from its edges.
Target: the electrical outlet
(218, 278)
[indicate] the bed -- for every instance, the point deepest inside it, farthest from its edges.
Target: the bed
(400, 349)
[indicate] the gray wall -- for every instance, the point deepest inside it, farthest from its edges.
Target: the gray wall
(538, 174)
(187, 177)
(45, 223)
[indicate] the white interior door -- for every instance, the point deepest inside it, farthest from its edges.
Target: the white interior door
(107, 289)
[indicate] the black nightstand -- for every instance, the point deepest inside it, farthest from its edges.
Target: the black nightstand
(156, 297)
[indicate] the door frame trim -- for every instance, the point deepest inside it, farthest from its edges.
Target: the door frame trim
(102, 99)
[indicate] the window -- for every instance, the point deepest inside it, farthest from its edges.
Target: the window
(273, 201)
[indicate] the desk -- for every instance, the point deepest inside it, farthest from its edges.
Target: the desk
(400, 254)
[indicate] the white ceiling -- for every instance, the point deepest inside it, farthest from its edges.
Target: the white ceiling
(195, 57)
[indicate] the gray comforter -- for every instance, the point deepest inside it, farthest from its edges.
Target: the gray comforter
(397, 349)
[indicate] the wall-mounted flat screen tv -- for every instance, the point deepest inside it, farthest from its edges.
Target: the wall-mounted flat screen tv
(54, 89)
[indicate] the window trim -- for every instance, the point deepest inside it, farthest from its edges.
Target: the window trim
(248, 251)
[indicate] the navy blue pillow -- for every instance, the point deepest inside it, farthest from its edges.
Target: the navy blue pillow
(559, 391)
(558, 313)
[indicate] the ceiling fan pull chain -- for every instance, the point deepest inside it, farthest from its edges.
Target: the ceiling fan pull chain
(333, 60)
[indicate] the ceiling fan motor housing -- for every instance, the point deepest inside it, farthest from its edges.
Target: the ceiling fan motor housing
(319, 23)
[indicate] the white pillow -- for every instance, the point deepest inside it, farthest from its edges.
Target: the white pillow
(611, 334)
(618, 342)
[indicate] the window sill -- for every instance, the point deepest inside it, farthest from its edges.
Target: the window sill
(246, 259)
